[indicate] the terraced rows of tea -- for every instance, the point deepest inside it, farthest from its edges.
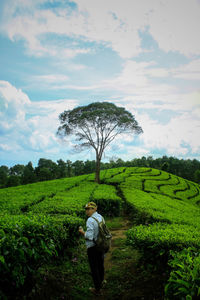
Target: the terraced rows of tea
(165, 208)
(38, 221)
(158, 182)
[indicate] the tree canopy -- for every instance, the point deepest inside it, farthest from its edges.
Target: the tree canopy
(96, 125)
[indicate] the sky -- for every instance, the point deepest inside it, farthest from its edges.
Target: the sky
(141, 55)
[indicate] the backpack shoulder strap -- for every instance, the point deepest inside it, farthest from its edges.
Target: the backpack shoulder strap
(98, 220)
(98, 226)
(95, 220)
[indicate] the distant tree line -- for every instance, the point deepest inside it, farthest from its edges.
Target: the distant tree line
(49, 170)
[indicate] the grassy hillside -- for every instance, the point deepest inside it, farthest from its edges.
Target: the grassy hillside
(38, 221)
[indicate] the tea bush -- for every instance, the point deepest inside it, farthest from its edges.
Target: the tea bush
(184, 280)
(16, 200)
(167, 206)
(26, 242)
(109, 204)
(39, 221)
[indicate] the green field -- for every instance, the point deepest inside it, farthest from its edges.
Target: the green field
(39, 221)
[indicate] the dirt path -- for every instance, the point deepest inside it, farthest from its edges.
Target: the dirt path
(125, 279)
(116, 234)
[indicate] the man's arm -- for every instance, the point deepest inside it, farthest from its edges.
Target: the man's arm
(89, 234)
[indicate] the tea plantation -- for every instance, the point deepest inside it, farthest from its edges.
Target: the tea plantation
(40, 221)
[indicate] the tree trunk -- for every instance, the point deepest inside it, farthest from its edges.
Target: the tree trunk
(97, 174)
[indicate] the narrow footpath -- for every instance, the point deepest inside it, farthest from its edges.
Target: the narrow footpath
(118, 233)
(126, 278)
(118, 255)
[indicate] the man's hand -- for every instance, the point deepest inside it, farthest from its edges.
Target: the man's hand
(81, 231)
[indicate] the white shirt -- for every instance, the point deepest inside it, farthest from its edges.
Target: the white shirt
(92, 229)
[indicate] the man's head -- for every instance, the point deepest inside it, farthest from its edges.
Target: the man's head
(90, 208)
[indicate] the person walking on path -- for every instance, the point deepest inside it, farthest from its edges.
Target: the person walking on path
(95, 257)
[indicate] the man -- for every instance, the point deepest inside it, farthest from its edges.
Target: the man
(95, 258)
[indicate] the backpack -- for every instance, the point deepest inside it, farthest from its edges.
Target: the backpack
(104, 237)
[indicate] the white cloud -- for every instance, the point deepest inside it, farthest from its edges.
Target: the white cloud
(141, 78)
(13, 104)
(54, 107)
(64, 33)
(52, 78)
(45, 122)
(175, 137)
(28, 125)
(173, 24)
(34, 124)
(126, 153)
(176, 103)
(77, 87)
(136, 79)
(42, 140)
(114, 22)
(48, 81)
(11, 94)
(5, 147)
(190, 71)
(70, 53)
(142, 92)
(135, 152)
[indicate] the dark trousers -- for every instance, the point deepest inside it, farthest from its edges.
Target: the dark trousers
(96, 261)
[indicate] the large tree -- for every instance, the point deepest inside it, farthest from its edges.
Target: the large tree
(96, 125)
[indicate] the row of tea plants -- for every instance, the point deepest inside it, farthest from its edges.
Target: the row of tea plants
(166, 212)
(39, 222)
